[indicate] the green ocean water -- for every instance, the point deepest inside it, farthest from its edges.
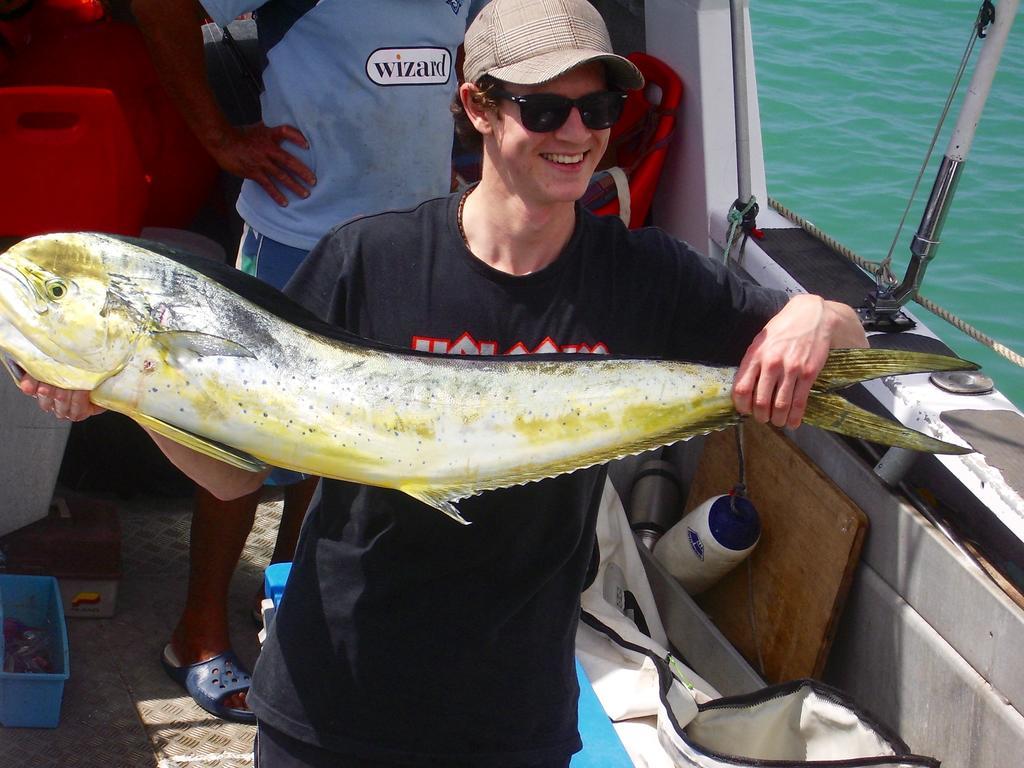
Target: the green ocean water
(850, 95)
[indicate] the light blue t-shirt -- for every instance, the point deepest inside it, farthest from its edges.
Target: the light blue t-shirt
(368, 85)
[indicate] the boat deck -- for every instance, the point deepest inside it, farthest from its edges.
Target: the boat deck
(120, 710)
(994, 431)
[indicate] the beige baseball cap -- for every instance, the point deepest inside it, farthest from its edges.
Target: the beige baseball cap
(528, 42)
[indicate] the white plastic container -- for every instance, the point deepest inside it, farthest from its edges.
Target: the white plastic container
(709, 541)
(31, 449)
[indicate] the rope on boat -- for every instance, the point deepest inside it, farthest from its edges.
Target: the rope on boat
(873, 266)
(737, 221)
(740, 489)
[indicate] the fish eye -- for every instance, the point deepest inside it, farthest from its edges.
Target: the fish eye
(56, 289)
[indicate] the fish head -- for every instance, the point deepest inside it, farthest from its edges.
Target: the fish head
(63, 318)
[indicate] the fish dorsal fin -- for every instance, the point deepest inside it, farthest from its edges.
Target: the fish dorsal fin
(436, 499)
(202, 445)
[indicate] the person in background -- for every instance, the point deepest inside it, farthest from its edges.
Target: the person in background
(15, 29)
(406, 639)
(352, 123)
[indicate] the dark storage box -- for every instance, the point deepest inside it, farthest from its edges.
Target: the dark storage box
(79, 542)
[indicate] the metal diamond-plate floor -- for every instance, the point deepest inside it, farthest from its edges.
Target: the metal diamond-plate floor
(120, 710)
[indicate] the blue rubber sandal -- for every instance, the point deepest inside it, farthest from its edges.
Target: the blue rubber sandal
(210, 682)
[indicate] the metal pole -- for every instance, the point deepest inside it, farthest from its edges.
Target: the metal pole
(738, 15)
(981, 82)
(926, 240)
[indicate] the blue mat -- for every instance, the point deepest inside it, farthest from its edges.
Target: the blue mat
(601, 745)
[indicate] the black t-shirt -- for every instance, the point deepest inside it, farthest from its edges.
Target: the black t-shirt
(404, 634)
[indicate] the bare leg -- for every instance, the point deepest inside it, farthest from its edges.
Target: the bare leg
(218, 534)
(296, 501)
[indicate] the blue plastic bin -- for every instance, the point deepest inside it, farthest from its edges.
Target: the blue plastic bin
(32, 699)
(274, 579)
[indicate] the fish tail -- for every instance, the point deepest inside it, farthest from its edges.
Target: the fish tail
(850, 366)
(836, 414)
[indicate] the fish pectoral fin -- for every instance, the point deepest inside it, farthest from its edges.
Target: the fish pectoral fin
(436, 499)
(834, 413)
(198, 344)
(202, 445)
(13, 368)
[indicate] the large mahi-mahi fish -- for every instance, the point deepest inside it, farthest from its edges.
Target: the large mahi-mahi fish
(220, 362)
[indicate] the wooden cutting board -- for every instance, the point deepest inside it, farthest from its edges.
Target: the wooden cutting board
(803, 565)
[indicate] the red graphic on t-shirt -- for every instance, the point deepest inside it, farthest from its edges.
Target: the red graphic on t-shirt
(467, 345)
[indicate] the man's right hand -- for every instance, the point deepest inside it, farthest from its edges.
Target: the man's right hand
(222, 480)
(255, 152)
(73, 405)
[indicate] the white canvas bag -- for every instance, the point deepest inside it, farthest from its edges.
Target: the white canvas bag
(667, 715)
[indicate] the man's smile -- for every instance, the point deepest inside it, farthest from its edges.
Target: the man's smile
(563, 159)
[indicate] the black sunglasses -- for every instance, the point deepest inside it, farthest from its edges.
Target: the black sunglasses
(544, 112)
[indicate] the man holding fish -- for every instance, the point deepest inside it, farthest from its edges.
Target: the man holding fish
(406, 639)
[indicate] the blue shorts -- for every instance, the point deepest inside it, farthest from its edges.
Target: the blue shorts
(270, 261)
(273, 263)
